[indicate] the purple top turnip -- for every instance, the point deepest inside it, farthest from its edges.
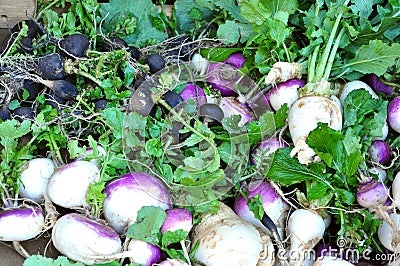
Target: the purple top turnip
(377, 85)
(223, 77)
(236, 60)
(285, 92)
(143, 253)
(394, 114)
(177, 219)
(379, 151)
(232, 106)
(192, 91)
(270, 146)
(372, 194)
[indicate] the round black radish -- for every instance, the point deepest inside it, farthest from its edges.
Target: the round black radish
(51, 66)
(30, 89)
(156, 62)
(135, 53)
(26, 43)
(4, 113)
(115, 43)
(62, 88)
(75, 45)
(100, 105)
(181, 48)
(172, 98)
(141, 102)
(33, 28)
(22, 113)
(211, 113)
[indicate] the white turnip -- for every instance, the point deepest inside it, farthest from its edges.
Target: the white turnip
(227, 239)
(305, 228)
(127, 194)
(285, 93)
(143, 253)
(177, 219)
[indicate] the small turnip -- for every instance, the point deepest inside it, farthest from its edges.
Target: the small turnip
(266, 147)
(235, 59)
(192, 91)
(285, 92)
(390, 236)
(143, 253)
(379, 152)
(232, 106)
(177, 219)
(223, 77)
(85, 240)
(394, 114)
(377, 85)
(138, 189)
(21, 224)
(356, 85)
(200, 64)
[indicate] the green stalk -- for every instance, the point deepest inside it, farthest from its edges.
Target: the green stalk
(312, 63)
(332, 55)
(321, 68)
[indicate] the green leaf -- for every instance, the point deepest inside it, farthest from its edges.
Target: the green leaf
(192, 140)
(232, 8)
(171, 237)
(235, 32)
(115, 118)
(142, 11)
(253, 11)
(148, 223)
(278, 30)
(276, 6)
(183, 9)
(376, 57)
(287, 170)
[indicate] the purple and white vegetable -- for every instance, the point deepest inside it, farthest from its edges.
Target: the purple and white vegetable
(35, 177)
(268, 147)
(377, 85)
(232, 106)
(285, 92)
(303, 238)
(226, 239)
(223, 77)
(192, 91)
(356, 85)
(379, 152)
(372, 194)
(396, 190)
(274, 206)
(177, 219)
(127, 194)
(69, 184)
(85, 240)
(143, 253)
(236, 60)
(173, 262)
(21, 224)
(394, 114)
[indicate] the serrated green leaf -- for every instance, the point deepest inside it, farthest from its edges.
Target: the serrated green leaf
(192, 140)
(376, 57)
(39, 260)
(232, 8)
(183, 9)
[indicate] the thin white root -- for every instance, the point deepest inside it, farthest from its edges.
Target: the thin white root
(185, 251)
(51, 213)
(283, 71)
(20, 249)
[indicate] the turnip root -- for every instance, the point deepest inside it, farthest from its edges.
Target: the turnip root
(143, 253)
(283, 71)
(226, 239)
(85, 240)
(356, 85)
(304, 116)
(389, 233)
(21, 224)
(305, 228)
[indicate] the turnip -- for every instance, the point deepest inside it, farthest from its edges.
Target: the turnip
(372, 194)
(356, 85)
(21, 224)
(379, 152)
(274, 206)
(377, 85)
(226, 239)
(85, 240)
(305, 228)
(223, 77)
(127, 194)
(285, 92)
(69, 184)
(192, 91)
(283, 71)
(396, 190)
(232, 106)
(266, 147)
(177, 219)
(143, 253)
(389, 234)
(236, 60)
(35, 177)
(394, 114)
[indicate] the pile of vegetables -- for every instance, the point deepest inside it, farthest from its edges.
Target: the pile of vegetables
(220, 133)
